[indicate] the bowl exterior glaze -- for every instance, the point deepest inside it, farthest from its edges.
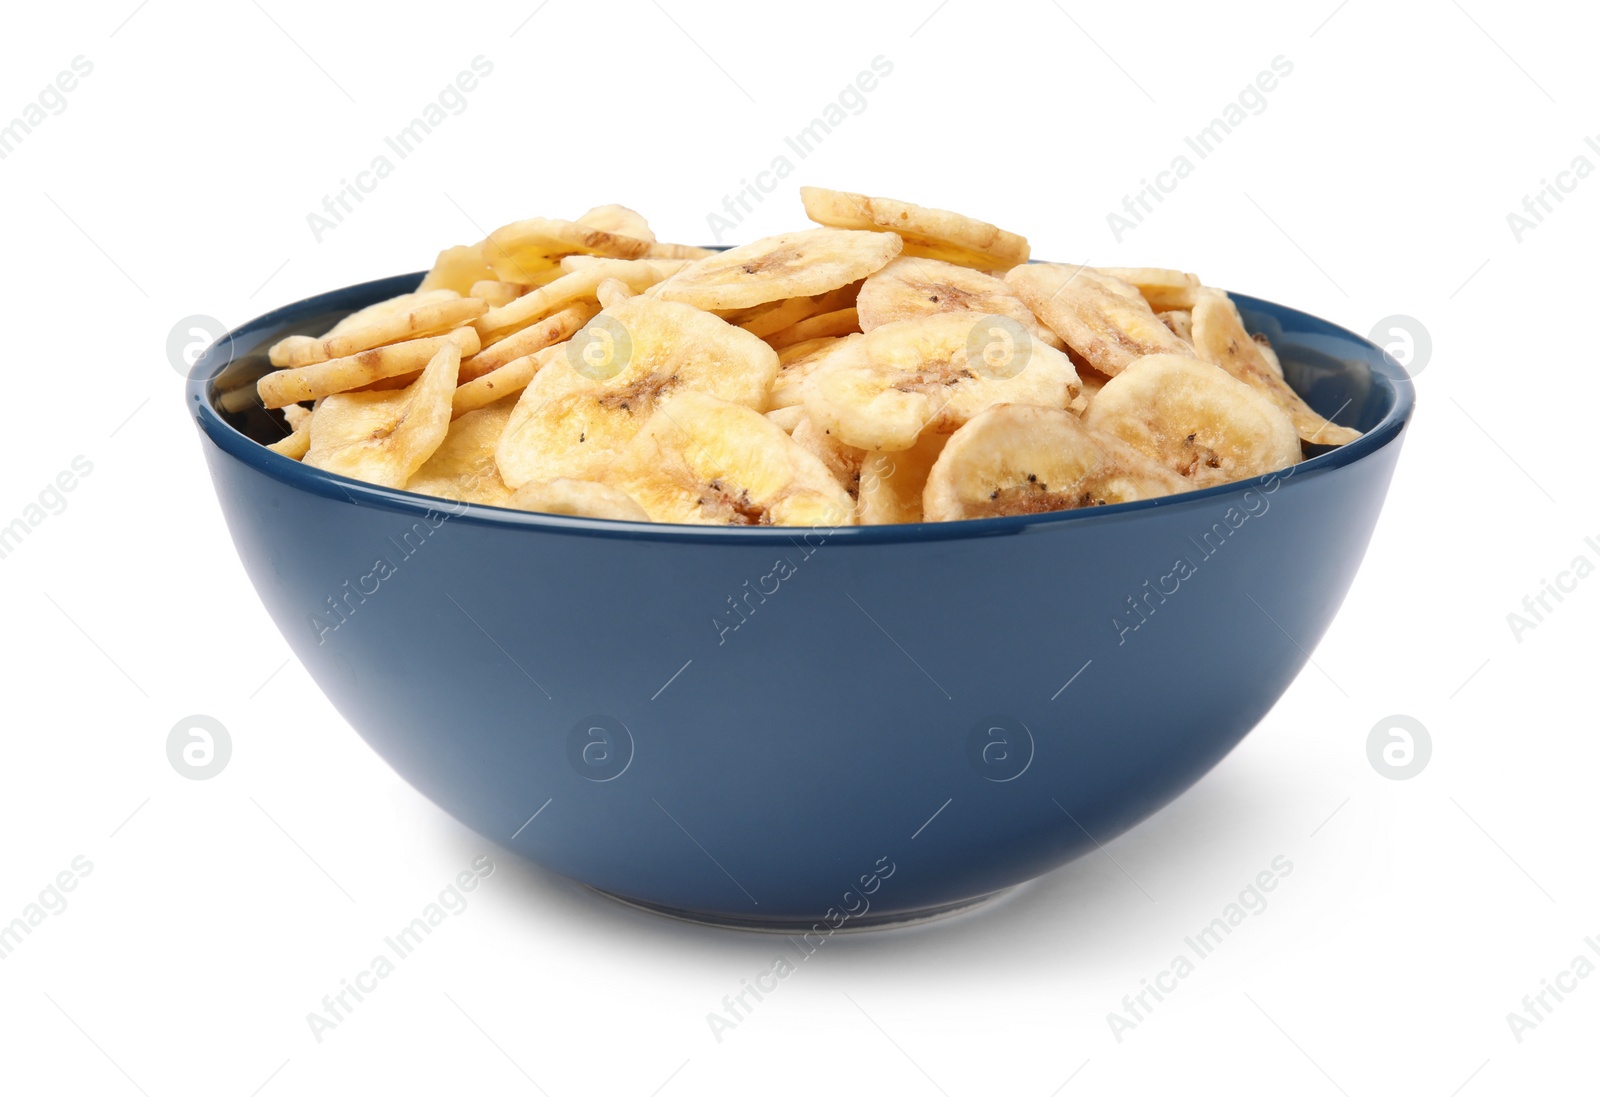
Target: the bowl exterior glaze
(787, 727)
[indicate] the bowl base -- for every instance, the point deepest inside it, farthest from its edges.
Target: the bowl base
(871, 922)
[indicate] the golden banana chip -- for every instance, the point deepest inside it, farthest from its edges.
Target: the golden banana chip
(791, 264)
(522, 250)
(930, 233)
(559, 325)
(881, 391)
(829, 325)
(293, 386)
(578, 498)
(1220, 338)
(385, 437)
(1163, 290)
(1193, 418)
(612, 290)
(704, 461)
(1106, 326)
(463, 467)
(618, 220)
(908, 288)
(580, 284)
(432, 318)
(1017, 459)
(497, 294)
(843, 461)
(456, 269)
(892, 483)
(797, 362)
(585, 404)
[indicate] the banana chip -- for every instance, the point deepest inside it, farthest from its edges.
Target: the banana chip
(704, 461)
(497, 294)
(1095, 317)
(882, 391)
(578, 285)
(586, 403)
(1220, 338)
(385, 437)
(908, 288)
(791, 264)
(796, 362)
(930, 233)
(456, 269)
(1164, 290)
(612, 290)
(788, 418)
(1180, 322)
(432, 318)
(1193, 418)
(559, 325)
(463, 467)
(1016, 459)
(843, 461)
(829, 325)
(578, 498)
(293, 386)
(524, 250)
(619, 220)
(892, 483)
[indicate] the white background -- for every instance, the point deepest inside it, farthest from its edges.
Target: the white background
(1376, 182)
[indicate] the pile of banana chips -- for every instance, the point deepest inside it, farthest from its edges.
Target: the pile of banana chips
(896, 364)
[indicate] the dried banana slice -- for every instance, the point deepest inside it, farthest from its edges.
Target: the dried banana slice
(828, 325)
(1016, 459)
(892, 483)
(401, 303)
(791, 264)
(796, 362)
(385, 437)
(1193, 418)
(787, 418)
(294, 444)
(843, 461)
(497, 294)
(586, 403)
(930, 233)
(456, 269)
(1180, 322)
(293, 386)
(559, 325)
(463, 467)
(579, 285)
(1094, 316)
(417, 321)
(1220, 338)
(578, 498)
(908, 288)
(882, 391)
(1164, 290)
(612, 290)
(524, 250)
(619, 220)
(704, 461)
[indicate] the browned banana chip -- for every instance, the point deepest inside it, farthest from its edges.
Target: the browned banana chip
(519, 251)
(559, 325)
(294, 386)
(463, 467)
(433, 318)
(791, 264)
(930, 233)
(910, 287)
(385, 437)
(1108, 328)
(1220, 338)
(1014, 459)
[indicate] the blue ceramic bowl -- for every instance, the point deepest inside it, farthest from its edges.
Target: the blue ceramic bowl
(793, 729)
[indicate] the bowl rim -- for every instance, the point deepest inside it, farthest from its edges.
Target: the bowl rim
(1384, 369)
